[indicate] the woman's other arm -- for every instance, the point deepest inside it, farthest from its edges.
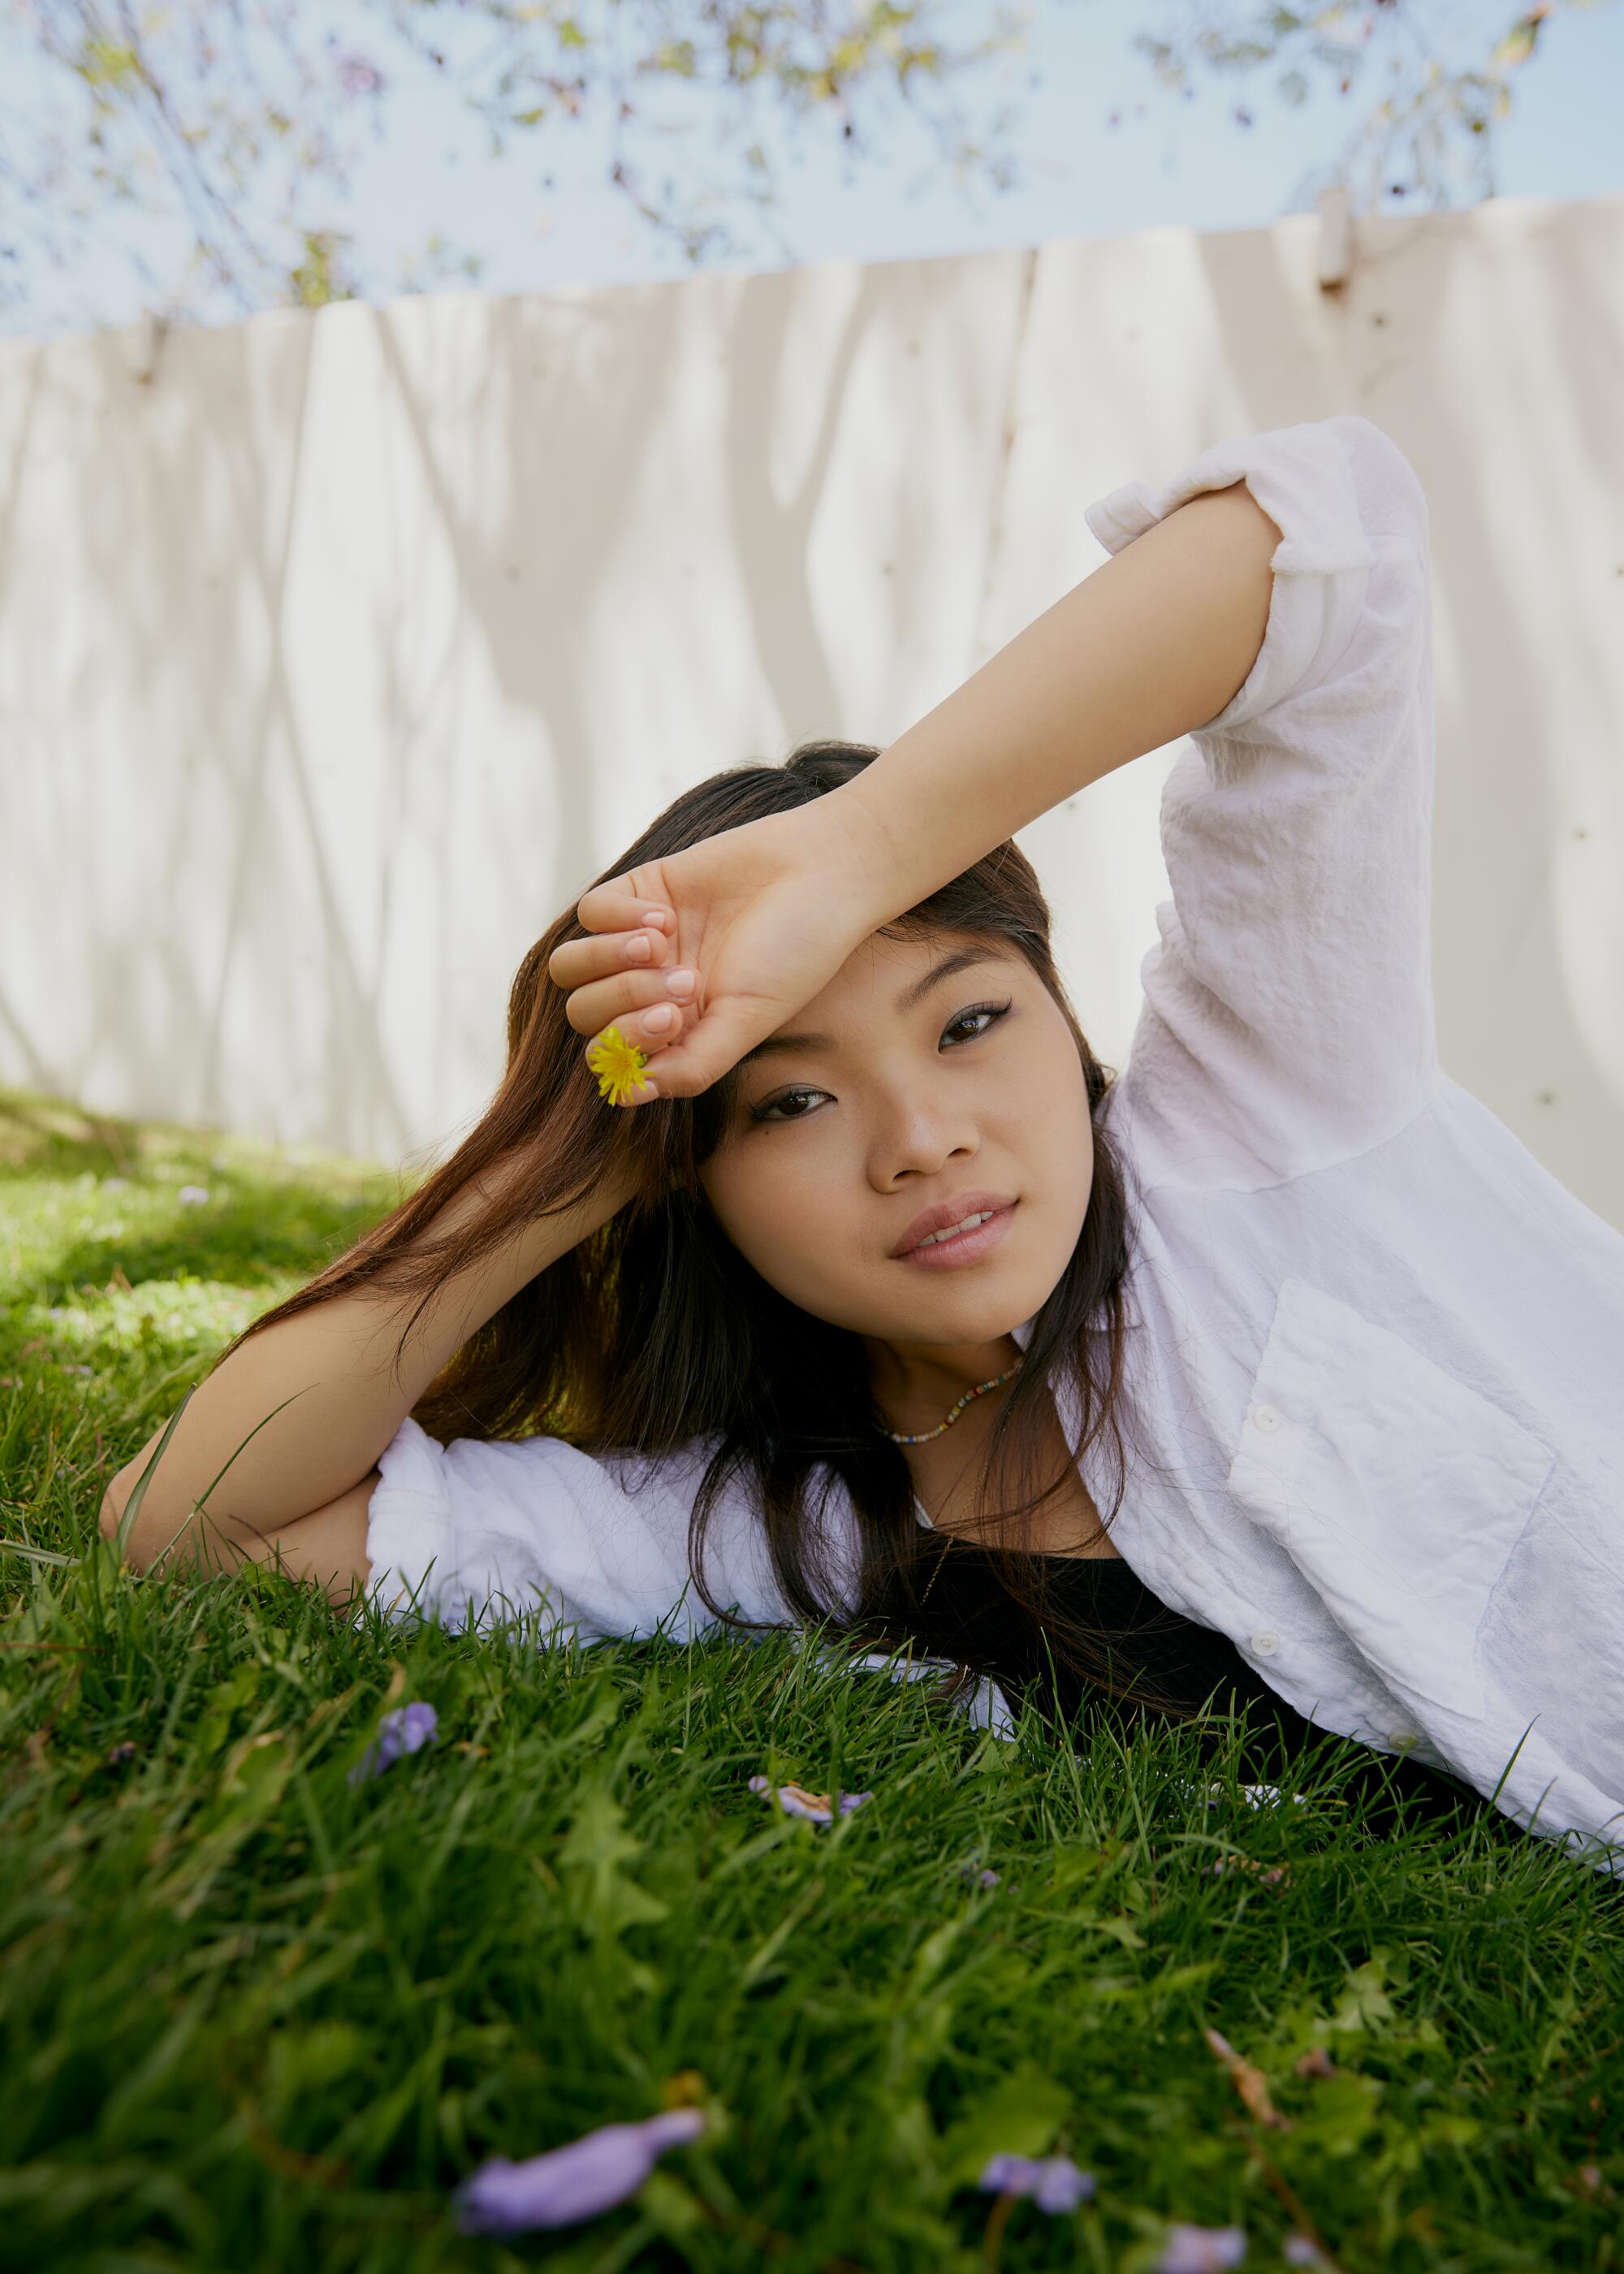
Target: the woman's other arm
(1150, 646)
(309, 1471)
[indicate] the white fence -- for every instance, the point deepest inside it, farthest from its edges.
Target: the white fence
(337, 652)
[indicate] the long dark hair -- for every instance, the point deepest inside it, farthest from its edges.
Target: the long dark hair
(655, 1331)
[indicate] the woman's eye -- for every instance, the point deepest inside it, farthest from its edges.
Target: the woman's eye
(767, 1111)
(990, 1012)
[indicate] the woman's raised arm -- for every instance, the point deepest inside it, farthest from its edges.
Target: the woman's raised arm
(1149, 647)
(1153, 644)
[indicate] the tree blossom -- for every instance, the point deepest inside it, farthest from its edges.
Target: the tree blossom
(356, 76)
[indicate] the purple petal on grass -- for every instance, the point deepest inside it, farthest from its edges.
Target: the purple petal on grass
(1053, 2182)
(1298, 2250)
(407, 1730)
(982, 1879)
(816, 1807)
(590, 2175)
(1201, 2249)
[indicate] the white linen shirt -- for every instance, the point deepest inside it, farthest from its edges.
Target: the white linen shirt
(1374, 1408)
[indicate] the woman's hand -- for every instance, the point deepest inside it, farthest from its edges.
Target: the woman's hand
(756, 921)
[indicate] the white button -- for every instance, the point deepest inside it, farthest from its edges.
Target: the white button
(1265, 1418)
(1265, 1644)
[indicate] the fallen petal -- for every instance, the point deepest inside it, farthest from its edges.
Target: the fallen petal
(1201, 2249)
(1053, 2182)
(1255, 1796)
(1275, 1875)
(1060, 2185)
(577, 2181)
(815, 1807)
(410, 1727)
(795, 1800)
(406, 1730)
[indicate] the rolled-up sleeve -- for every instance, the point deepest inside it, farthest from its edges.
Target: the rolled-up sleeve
(1288, 1019)
(475, 1533)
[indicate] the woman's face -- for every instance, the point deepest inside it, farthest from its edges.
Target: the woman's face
(927, 1070)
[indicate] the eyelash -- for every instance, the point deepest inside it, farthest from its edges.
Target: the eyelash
(762, 1113)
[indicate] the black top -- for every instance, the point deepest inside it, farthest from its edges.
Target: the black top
(973, 1618)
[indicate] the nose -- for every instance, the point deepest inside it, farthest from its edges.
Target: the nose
(920, 1141)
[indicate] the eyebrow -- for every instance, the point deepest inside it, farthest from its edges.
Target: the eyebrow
(915, 991)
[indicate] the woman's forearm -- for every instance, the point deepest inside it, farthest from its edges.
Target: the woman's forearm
(1155, 642)
(331, 1369)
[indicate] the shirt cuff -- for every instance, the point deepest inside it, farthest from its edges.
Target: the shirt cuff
(1303, 478)
(410, 1529)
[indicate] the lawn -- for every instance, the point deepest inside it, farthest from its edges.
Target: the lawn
(254, 2013)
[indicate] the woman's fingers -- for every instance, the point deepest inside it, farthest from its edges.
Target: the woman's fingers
(620, 905)
(760, 918)
(579, 961)
(621, 975)
(707, 1048)
(633, 1001)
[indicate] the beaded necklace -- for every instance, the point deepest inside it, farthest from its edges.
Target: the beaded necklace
(897, 1438)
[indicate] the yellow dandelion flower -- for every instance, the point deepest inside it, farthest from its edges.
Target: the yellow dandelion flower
(618, 1065)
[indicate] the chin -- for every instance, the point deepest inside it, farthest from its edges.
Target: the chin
(983, 1316)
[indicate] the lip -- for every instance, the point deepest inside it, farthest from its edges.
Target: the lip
(942, 1213)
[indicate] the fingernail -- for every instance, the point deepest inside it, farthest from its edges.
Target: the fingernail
(655, 916)
(680, 982)
(658, 1019)
(639, 947)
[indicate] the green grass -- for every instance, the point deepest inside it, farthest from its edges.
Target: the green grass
(252, 2017)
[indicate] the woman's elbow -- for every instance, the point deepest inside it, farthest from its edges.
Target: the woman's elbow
(142, 1539)
(139, 1542)
(111, 1511)
(115, 1500)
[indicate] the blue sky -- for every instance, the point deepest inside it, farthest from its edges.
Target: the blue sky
(1168, 160)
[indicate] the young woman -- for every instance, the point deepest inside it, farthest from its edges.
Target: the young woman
(1275, 1374)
